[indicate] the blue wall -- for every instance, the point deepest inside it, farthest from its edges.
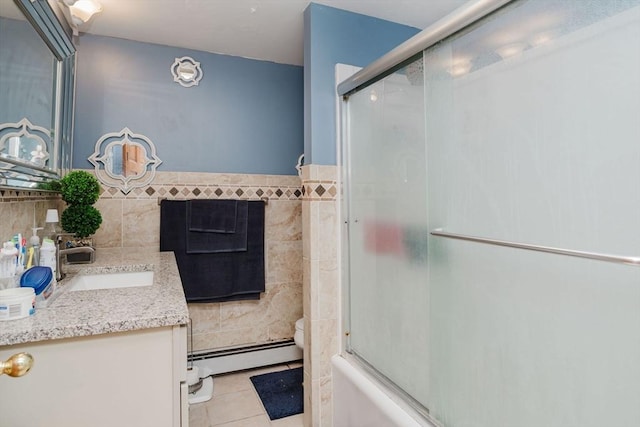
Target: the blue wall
(245, 116)
(336, 36)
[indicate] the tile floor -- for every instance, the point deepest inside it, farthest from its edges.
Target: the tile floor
(235, 403)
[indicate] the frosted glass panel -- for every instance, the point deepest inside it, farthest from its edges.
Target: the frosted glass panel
(524, 127)
(388, 228)
(532, 119)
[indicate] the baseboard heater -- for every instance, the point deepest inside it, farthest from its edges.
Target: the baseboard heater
(247, 357)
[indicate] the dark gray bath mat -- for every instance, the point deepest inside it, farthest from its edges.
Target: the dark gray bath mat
(280, 392)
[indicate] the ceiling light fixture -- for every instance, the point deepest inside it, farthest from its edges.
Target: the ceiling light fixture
(459, 68)
(80, 12)
(511, 50)
(542, 38)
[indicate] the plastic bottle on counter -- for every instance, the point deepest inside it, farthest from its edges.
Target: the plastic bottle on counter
(8, 259)
(48, 255)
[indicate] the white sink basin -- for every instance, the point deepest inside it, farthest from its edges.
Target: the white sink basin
(128, 279)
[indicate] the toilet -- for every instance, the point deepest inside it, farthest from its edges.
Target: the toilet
(298, 337)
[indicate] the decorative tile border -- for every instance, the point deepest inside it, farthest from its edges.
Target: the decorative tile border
(9, 195)
(320, 182)
(248, 187)
(319, 190)
(177, 191)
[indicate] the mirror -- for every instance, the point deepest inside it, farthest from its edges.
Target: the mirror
(128, 159)
(25, 142)
(125, 160)
(36, 94)
(186, 71)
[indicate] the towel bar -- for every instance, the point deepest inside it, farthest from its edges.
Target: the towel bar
(629, 260)
(264, 199)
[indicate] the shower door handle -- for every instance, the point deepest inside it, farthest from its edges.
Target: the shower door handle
(618, 259)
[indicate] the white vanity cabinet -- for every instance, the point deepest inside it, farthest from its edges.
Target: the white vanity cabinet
(123, 379)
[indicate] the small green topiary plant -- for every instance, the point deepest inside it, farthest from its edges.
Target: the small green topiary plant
(80, 190)
(83, 220)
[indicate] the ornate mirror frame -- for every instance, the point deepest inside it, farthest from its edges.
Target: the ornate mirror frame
(10, 132)
(114, 151)
(186, 71)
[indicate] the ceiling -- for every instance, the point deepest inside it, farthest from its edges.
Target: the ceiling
(270, 30)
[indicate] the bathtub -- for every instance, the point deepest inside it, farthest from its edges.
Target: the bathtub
(358, 401)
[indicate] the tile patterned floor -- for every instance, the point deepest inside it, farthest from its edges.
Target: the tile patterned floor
(235, 403)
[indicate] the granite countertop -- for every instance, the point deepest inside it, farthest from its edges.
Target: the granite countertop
(103, 311)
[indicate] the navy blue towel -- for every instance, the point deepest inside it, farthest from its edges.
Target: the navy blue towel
(208, 242)
(215, 277)
(216, 216)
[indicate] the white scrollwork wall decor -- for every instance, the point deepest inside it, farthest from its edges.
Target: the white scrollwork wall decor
(25, 143)
(125, 160)
(186, 71)
(300, 164)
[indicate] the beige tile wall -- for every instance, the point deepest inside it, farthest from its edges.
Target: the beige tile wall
(320, 223)
(20, 210)
(133, 220)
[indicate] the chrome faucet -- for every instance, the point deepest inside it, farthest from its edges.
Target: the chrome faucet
(60, 252)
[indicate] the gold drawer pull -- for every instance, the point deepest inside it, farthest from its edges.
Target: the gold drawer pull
(17, 365)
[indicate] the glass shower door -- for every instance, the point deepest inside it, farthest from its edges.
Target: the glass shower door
(524, 128)
(532, 119)
(388, 228)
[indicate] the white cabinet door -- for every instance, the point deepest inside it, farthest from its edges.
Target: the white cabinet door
(121, 379)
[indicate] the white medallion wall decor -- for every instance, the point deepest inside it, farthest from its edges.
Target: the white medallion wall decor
(125, 160)
(25, 143)
(186, 71)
